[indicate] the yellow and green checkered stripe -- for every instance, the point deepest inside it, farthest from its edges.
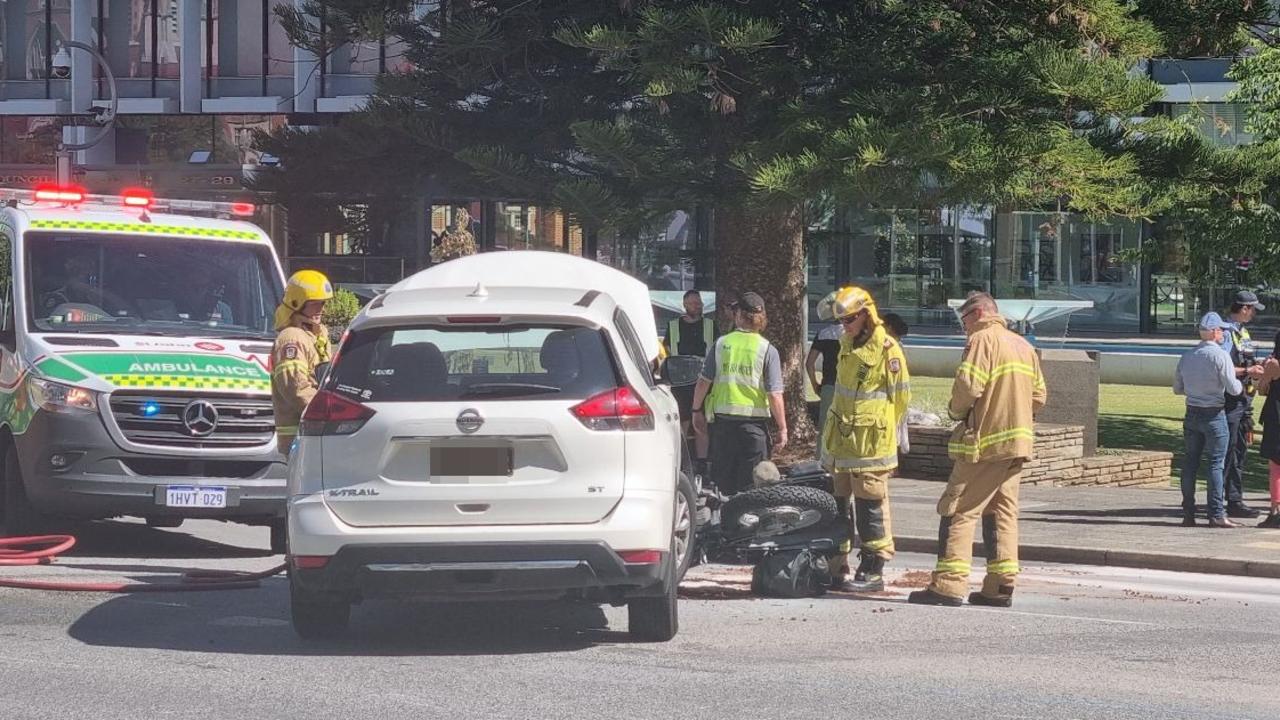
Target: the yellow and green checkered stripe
(144, 229)
(188, 382)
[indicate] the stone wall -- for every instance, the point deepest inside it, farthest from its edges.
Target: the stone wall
(1059, 459)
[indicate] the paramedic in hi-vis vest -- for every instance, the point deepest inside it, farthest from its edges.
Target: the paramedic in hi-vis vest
(860, 432)
(691, 334)
(996, 391)
(302, 343)
(739, 391)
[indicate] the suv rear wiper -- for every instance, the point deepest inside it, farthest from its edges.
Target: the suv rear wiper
(483, 389)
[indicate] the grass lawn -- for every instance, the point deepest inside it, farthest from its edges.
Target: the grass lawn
(1130, 416)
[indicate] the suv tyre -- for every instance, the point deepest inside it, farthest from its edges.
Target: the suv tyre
(317, 616)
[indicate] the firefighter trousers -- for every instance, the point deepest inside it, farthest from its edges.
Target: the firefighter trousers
(986, 490)
(866, 495)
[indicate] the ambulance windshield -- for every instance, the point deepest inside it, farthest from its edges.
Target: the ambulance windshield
(125, 284)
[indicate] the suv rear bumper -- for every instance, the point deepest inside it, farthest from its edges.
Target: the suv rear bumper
(102, 481)
(470, 571)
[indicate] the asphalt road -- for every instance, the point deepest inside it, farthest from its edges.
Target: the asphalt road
(1080, 643)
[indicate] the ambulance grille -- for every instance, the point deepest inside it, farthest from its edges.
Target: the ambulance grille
(243, 421)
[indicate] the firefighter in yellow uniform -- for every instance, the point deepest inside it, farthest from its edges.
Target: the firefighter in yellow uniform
(997, 389)
(302, 343)
(860, 432)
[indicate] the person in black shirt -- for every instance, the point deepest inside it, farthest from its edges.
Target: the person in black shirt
(691, 334)
(826, 346)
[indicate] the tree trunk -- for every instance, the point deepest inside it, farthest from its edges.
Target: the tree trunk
(761, 249)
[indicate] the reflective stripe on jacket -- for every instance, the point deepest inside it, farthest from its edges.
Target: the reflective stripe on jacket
(738, 388)
(997, 389)
(872, 394)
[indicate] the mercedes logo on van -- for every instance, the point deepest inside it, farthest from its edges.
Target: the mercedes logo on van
(200, 418)
(469, 421)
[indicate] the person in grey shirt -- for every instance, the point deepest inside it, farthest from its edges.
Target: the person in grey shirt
(739, 392)
(1205, 375)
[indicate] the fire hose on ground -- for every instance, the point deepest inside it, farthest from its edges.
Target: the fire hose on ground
(44, 549)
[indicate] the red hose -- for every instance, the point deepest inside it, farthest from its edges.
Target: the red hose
(43, 549)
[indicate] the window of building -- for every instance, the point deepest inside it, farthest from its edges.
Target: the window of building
(1066, 256)
(1223, 123)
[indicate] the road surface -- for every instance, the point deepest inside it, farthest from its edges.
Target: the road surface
(1080, 642)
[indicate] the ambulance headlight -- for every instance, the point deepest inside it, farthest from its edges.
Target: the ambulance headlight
(56, 397)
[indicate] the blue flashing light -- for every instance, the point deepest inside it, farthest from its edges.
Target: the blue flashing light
(150, 408)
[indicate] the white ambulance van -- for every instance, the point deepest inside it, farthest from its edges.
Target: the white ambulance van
(134, 361)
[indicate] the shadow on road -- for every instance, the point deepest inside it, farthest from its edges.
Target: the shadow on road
(256, 622)
(111, 539)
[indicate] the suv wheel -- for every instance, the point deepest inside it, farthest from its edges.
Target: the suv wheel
(685, 528)
(656, 619)
(17, 516)
(317, 616)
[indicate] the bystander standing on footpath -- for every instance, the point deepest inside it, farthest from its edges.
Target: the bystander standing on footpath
(1270, 448)
(1206, 376)
(826, 347)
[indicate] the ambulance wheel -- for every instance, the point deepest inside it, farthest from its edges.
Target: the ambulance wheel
(279, 537)
(776, 510)
(17, 516)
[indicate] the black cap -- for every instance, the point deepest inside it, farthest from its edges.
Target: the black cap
(1244, 297)
(752, 302)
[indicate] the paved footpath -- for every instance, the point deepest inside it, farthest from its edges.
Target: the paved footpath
(1127, 527)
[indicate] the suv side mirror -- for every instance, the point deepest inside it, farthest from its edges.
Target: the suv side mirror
(321, 370)
(681, 370)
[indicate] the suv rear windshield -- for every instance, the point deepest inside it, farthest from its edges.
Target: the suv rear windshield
(416, 364)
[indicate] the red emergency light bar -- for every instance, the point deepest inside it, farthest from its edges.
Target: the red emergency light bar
(135, 198)
(59, 193)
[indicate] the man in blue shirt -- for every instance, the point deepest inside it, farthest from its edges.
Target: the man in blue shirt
(1206, 377)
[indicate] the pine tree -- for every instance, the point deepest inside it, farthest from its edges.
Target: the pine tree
(758, 109)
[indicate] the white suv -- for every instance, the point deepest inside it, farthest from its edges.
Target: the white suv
(478, 437)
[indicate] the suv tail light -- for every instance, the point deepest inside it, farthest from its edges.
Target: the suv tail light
(331, 414)
(616, 409)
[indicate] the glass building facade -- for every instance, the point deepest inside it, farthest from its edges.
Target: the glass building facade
(914, 261)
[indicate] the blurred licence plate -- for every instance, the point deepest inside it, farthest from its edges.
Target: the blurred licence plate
(475, 461)
(195, 496)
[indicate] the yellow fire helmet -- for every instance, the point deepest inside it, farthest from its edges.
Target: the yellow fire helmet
(852, 300)
(303, 286)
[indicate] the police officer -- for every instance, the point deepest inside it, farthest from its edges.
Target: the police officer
(691, 334)
(302, 343)
(1239, 408)
(860, 436)
(739, 391)
(997, 388)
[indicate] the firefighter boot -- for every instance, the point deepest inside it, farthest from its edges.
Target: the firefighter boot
(929, 597)
(869, 577)
(1003, 600)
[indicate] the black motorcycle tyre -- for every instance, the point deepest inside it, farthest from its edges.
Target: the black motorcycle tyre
(763, 499)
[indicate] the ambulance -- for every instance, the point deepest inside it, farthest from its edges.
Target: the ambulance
(135, 343)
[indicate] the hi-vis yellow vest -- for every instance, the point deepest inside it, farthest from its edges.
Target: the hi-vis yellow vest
(738, 388)
(673, 334)
(872, 393)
